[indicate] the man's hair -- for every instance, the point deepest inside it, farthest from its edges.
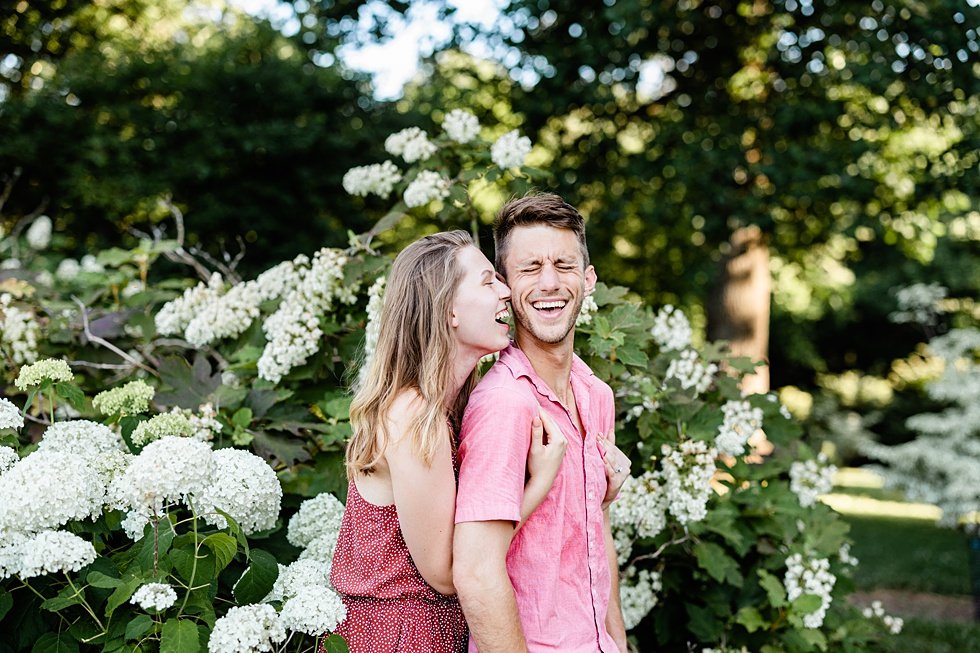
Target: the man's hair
(533, 209)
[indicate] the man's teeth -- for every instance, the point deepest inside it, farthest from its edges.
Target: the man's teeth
(543, 305)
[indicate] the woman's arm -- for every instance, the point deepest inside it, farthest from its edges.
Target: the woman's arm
(425, 497)
(543, 462)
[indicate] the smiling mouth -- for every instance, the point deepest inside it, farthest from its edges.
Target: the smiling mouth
(549, 307)
(502, 317)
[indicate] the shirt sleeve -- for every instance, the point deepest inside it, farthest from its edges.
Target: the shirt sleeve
(494, 440)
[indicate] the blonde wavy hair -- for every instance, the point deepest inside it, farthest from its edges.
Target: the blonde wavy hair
(414, 351)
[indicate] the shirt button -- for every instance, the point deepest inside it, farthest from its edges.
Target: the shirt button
(591, 494)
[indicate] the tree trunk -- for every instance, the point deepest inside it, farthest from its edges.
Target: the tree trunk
(738, 309)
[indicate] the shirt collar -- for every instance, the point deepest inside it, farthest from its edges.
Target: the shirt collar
(517, 362)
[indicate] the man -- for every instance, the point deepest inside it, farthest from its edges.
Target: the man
(553, 584)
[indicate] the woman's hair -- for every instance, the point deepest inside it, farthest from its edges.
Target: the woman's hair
(414, 352)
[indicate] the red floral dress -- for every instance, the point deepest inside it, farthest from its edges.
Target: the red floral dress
(390, 607)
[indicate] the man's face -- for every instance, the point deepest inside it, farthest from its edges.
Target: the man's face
(548, 281)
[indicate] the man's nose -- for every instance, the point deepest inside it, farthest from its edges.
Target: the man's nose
(548, 277)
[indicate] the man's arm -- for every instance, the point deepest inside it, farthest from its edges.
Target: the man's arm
(484, 588)
(614, 613)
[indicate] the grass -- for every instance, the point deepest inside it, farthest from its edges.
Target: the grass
(899, 546)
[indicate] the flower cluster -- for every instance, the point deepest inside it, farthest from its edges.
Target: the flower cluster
(316, 518)
(411, 144)
(19, 332)
(671, 329)
(204, 423)
(39, 233)
(174, 316)
(247, 629)
(810, 577)
(244, 486)
(8, 458)
(876, 611)
(293, 331)
(166, 471)
(378, 179)
(375, 301)
(510, 150)
(589, 307)
(154, 597)
(48, 369)
(461, 126)
(50, 552)
(10, 415)
(427, 186)
(638, 594)
(159, 426)
(131, 399)
(69, 268)
(690, 372)
(810, 478)
(686, 477)
(741, 420)
(313, 610)
(919, 303)
(638, 389)
(638, 512)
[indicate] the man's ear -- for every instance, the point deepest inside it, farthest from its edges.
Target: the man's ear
(590, 280)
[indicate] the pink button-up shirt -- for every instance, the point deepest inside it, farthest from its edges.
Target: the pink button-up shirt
(557, 562)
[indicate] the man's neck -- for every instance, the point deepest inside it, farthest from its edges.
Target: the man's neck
(551, 362)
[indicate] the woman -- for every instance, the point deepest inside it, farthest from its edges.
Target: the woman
(444, 309)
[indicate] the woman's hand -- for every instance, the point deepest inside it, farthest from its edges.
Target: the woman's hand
(617, 467)
(547, 451)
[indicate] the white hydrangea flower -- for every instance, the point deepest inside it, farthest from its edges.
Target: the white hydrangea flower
(154, 597)
(131, 399)
(11, 554)
(297, 575)
(134, 523)
(741, 420)
(377, 178)
(10, 415)
(50, 552)
(174, 423)
(247, 629)
(165, 471)
(313, 610)
(39, 233)
(589, 307)
(427, 186)
(293, 331)
(375, 301)
(44, 370)
(68, 269)
(411, 144)
(92, 444)
(510, 150)
(320, 515)
(810, 577)
(638, 594)
(174, 316)
(810, 478)
(91, 265)
(321, 548)
(671, 329)
(461, 126)
(877, 611)
(204, 423)
(686, 473)
(244, 486)
(19, 331)
(47, 489)
(919, 303)
(8, 458)
(639, 511)
(690, 372)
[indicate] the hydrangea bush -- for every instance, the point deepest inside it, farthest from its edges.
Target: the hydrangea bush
(180, 538)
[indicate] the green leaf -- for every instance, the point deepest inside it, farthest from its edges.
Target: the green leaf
(6, 602)
(98, 579)
(630, 354)
(806, 603)
(56, 603)
(139, 626)
(70, 393)
(703, 623)
(196, 566)
(257, 581)
(55, 643)
(179, 636)
(122, 593)
(713, 559)
(335, 644)
(773, 587)
(242, 417)
(224, 547)
(750, 618)
(114, 256)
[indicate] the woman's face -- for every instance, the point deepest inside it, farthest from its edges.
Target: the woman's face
(480, 312)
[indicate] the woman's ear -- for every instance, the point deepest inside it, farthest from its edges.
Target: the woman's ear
(454, 322)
